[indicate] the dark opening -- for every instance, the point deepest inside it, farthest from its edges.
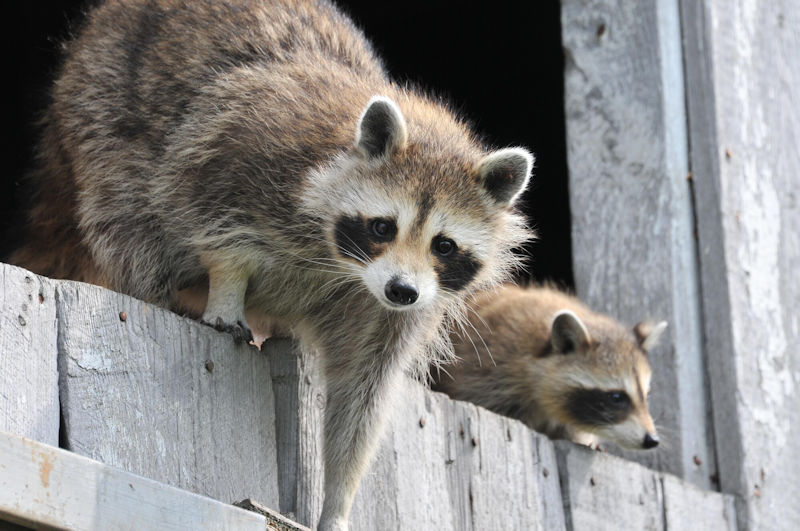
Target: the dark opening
(500, 64)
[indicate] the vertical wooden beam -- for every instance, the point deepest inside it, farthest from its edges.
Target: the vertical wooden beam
(634, 249)
(28, 373)
(743, 88)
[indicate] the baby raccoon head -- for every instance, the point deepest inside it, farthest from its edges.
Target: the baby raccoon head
(605, 380)
(420, 225)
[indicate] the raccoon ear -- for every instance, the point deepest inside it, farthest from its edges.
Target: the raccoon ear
(568, 333)
(505, 173)
(647, 333)
(381, 128)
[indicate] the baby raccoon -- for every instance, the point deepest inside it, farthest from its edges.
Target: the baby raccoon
(541, 356)
(258, 151)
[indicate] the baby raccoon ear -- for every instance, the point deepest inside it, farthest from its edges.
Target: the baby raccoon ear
(505, 173)
(381, 128)
(647, 333)
(568, 333)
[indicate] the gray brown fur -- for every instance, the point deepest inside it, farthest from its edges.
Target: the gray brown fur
(515, 361)
(211, 147)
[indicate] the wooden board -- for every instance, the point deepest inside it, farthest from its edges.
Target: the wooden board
(688, 507)
(165, 397)
(632, 226)
(743, 70)
(28, 372)
(441, 465)
(43, 487)
(602, 491)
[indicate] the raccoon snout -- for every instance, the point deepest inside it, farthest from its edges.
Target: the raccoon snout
(650, 441)
(401, 292)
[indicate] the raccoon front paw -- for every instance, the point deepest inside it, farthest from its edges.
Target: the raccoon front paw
(239, 330)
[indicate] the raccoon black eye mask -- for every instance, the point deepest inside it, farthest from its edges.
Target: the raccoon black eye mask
(361, 239)
(595, 407)
(456, 267)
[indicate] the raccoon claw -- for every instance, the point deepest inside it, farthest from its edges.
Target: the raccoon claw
(239, 330)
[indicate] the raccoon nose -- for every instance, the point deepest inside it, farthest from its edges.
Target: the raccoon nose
(401, 292)
(650, 441)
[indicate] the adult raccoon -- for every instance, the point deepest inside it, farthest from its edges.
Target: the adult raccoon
(259, 149)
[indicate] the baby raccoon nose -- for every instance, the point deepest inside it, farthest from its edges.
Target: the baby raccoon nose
(400, 292)
(650, 441)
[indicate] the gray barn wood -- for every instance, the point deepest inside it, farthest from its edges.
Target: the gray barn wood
(48, 488)
(441, 465)
(632, 227)
(142, 394)
(604, 492)
(138, 394)
(688, 507)
(743, 70)
(28, 372)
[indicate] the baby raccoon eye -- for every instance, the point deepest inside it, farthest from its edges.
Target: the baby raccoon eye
(618, 399)
(443, 246)
(384, 229)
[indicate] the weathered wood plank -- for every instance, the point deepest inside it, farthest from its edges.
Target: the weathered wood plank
(632, 228)
(688, 507)
(275, 520)
(28, 371)
(441, 465)
(602, 491)
(45, 486)
(165, 397)
(743, 70)
(299, 393)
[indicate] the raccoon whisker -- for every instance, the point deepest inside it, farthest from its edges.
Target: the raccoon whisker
(324, 261)
(468, 321)
(465, 333)
(469, 307)
(335, 282)
(354, 256)
(365, 257)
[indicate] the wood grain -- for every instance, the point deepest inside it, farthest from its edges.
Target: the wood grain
(743, 68)
(165, 397)
(49, 488)
(28, 371)
(632, 222)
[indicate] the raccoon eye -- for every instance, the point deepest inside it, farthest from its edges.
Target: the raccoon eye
(443, 246)
(618, 399)
(384, 229)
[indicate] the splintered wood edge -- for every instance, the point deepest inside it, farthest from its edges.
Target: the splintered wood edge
(275, 520)
(43, 485)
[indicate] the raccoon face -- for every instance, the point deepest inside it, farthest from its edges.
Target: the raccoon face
(407, 262)
(607, 393)
(415, 232)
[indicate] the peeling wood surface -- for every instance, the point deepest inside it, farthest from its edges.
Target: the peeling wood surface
(632, 226)
(165, 397)
(43, 487)
(28, 373)
(743, 67)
